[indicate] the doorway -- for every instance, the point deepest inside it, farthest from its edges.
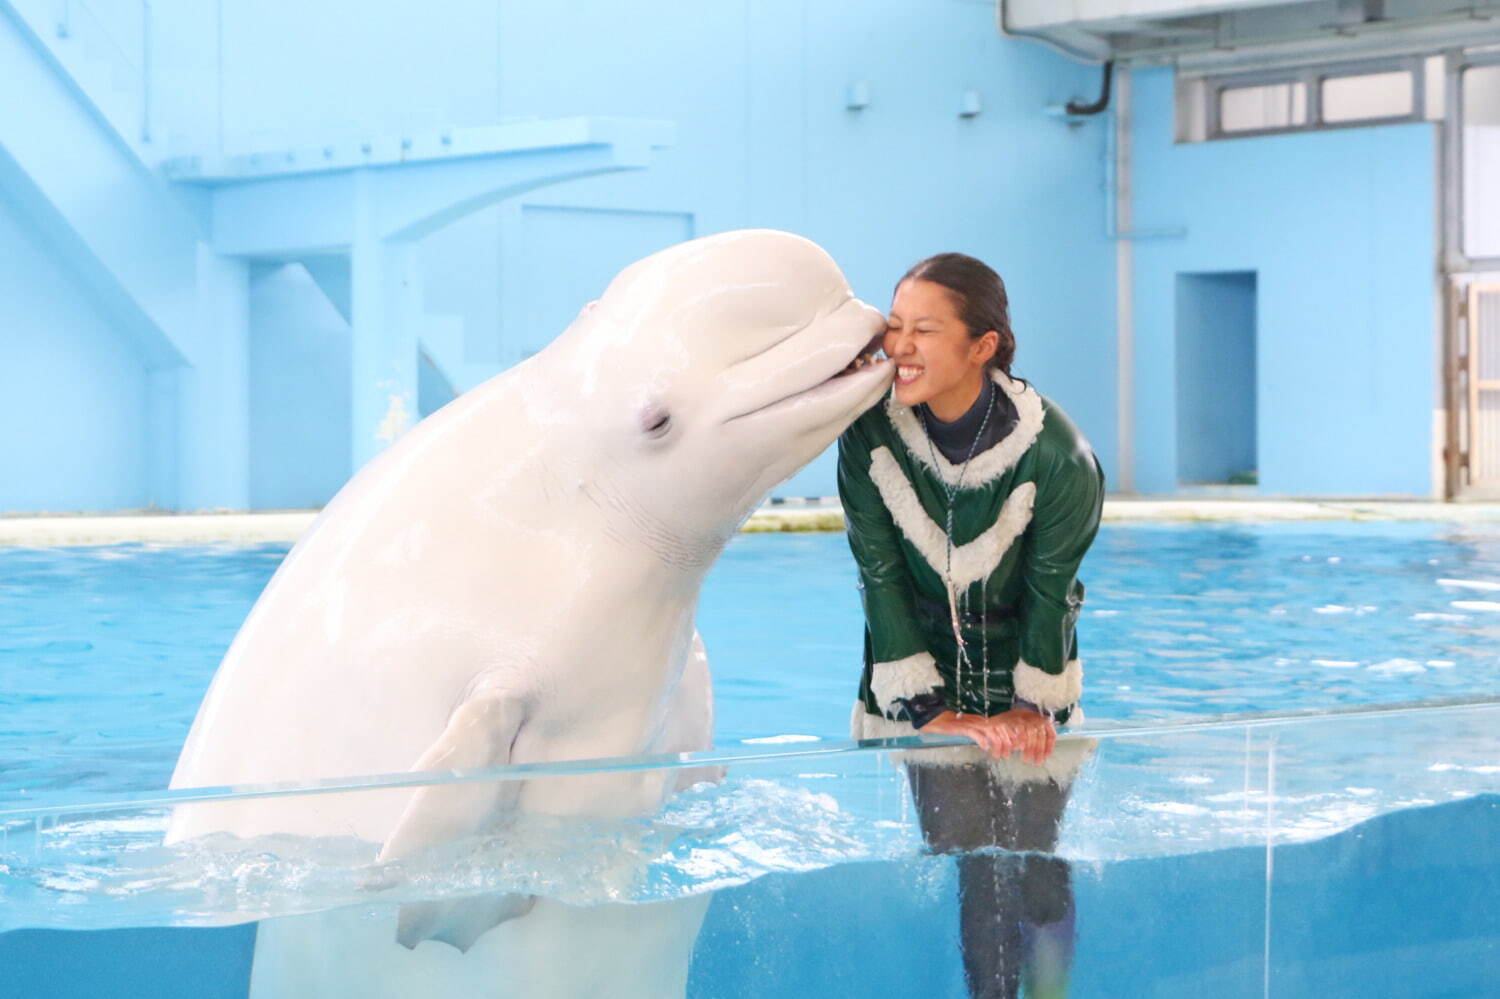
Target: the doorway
(1472, 237)
(1474, 391)
(1216, 398)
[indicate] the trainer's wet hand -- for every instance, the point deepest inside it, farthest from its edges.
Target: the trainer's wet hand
(1018, 729)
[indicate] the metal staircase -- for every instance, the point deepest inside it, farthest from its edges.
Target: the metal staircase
(165, 243)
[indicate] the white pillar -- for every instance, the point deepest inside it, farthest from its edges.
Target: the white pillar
(1124, 288)
(213, 392)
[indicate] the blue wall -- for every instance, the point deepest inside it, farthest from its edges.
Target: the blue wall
(154, 962)
(299, 391)
(757, 93)
(1396, 906)
(1339, 227)
(1215, 376)
(73, 393)
(756, 90)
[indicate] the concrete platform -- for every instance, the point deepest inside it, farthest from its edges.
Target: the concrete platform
(1132, 509)
(795, 515)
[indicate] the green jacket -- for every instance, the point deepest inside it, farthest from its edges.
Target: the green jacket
(1026, 514)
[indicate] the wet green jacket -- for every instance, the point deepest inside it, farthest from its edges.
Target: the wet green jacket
(1027, 512)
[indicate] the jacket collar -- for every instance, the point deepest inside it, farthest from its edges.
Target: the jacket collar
(988, 465)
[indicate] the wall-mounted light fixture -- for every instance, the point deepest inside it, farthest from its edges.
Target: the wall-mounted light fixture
(968, 104)
(857, 97)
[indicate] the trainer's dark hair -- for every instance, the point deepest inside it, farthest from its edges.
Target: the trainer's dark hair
(978, 297)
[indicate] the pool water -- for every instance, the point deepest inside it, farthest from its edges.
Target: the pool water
(1228, 858)
(1209, 924)
(1223, 856)
(105, 652)
(1179, 620)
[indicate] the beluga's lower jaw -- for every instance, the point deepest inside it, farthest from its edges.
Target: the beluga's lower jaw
(853, 380)
(866, 357)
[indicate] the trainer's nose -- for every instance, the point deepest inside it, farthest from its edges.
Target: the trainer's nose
(896, 343)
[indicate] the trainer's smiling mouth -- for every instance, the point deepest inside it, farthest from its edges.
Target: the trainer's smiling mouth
(908, 373)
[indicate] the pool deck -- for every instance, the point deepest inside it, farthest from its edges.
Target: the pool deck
(793, 515)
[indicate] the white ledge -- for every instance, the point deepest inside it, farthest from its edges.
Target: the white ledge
(42, 531)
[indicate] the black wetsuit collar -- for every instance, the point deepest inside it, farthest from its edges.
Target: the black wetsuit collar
(955, 439)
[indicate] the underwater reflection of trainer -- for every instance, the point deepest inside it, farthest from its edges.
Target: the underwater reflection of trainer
(970, 501)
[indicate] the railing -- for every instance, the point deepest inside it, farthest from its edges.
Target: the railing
(108, 49)
(735, 756)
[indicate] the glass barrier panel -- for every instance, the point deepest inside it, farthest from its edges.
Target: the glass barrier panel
(1353, 853)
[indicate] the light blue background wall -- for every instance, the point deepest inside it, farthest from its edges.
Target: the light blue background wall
(241, 397)
(299, 391)
(1216, 376)
(73, 394)
(756, 91)
(1339, 227)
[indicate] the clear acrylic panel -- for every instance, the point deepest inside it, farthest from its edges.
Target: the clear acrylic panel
(1353, 853)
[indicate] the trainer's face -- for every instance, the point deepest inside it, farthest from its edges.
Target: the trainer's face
(937, 361)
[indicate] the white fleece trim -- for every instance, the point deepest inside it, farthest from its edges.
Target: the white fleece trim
(1052, 691)
(1062, 766)
(971, 562)
(907, 677)
(988, 465)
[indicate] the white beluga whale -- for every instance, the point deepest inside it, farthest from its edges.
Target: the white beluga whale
(515, 580)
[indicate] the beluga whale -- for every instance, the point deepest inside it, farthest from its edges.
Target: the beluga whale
(515, 580)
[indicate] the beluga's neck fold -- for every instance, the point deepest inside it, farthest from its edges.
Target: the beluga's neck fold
(655, 536)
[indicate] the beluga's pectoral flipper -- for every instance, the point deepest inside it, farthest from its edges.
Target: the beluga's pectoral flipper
(479, 734)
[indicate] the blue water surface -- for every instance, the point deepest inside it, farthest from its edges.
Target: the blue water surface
(1179, 620)
(820, 885)
(105, 652)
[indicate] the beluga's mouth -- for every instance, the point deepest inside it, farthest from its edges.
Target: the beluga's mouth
(866, 356)
(831, 365)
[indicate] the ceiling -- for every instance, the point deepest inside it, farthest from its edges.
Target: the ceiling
(1250, 33)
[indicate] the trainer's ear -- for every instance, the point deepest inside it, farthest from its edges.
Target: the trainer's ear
(984, 348)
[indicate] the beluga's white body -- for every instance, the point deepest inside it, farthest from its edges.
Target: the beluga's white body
(515, 580)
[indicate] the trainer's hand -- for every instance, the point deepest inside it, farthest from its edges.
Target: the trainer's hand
(970, 726)
(1018, 729)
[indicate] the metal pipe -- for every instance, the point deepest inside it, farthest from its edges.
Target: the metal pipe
(1077, 107)
(1119, 195)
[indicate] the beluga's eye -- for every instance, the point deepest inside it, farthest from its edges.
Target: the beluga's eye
(655, 421)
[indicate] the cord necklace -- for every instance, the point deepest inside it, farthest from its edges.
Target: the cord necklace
(951, 493)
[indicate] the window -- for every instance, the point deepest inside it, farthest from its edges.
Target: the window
(1309, 97)
(1369, 95)
(1273, 105)
(1481, 161)
(1482, 96)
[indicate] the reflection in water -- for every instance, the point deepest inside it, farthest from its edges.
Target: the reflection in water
(1016, 910)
